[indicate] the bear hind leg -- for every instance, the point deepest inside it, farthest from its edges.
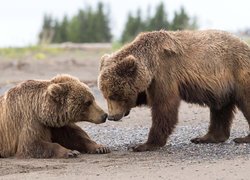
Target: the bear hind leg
(246, 112)
(220, 124)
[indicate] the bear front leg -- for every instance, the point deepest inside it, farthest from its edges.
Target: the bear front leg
(73, 137)
(164, 119)
(43, 149)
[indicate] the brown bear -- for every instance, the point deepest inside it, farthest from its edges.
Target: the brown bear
(161, 68)
(37, 119)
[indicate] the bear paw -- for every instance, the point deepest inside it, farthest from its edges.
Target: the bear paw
(242, 140)
(72, 154)
(100, 150)
(209, 139)
(198, 140)
(144, 147)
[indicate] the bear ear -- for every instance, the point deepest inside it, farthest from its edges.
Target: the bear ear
(172, 46)
(63, 78)
(170, 49)
(57, 90)
(103, 61)
(127, 68)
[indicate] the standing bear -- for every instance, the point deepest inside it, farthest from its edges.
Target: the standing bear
(161, 68)
(37, 119)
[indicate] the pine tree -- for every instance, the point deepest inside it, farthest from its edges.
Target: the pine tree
(73, 30)
(127, 32)
(86, 26)
(93, 26)
(83, 26)
(90, 26)
(63, 30)
(181, 20)
(193, 24)
(60, 31)
(56, 35)
(159, 20)
(47, 32)
(101, 22)
(134, 25)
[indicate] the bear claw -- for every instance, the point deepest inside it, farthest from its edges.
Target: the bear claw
(73, 154)
(102, 150)
(196, 140)
(144, 147)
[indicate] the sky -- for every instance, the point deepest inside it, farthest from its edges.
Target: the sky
(21, 20)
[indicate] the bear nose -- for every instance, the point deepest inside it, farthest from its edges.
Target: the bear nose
(116, 117)
(111, 118)
(104, 117)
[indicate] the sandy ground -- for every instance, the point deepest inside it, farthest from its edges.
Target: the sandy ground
(179, 159)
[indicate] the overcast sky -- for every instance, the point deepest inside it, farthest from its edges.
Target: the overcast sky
(21, 20)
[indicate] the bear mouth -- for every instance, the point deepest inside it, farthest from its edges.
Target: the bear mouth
(127, 113)
(118, 117)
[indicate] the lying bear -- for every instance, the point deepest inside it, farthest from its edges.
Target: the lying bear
(37, 119)
(161, 68)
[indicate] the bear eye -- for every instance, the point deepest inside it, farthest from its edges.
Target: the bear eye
(116, 98)
(113, 97)
(88, 103)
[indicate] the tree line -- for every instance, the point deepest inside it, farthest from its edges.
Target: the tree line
(90, 25)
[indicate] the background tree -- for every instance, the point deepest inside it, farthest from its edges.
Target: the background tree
(73, 30)
(101, 25)
(133, 26)
(181, 20)
(63, 30)
(47, 32)
(90, 25)
(86, 26)
(159, 20)
(56, 35)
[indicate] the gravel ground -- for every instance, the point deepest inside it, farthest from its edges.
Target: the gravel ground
(121, 139)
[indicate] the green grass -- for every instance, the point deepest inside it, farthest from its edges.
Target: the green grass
(43, 52)
(36, 52)
(116, 45)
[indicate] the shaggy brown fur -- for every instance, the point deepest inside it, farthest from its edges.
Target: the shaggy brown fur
(162, 68)
(37, 119)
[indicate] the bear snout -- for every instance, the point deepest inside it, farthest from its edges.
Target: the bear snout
(104, 117)
(116, 117)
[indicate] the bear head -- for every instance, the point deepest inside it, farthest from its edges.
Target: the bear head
(68, 100)
(123, 83)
